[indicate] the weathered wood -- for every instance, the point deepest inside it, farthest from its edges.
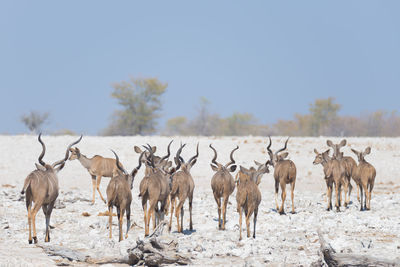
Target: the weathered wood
(332, 258)
(65, 253)
(152, 251)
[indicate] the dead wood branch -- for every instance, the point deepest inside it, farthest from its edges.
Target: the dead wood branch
(332, 258)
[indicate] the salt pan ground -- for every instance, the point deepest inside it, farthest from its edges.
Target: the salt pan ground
(289, 240)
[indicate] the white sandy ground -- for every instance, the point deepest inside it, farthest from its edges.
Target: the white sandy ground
(289, 239)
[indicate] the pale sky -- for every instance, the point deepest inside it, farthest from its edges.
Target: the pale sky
(268, 58)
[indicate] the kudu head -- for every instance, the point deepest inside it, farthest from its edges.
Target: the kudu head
(321, 157)
(361, 155)
(75, 153)
(129, 177)
(56, 166)
(180, 162)
(336, 148)
(161, 163)
(276, 157)
(146, 152)
(253, 174)
(230, 166)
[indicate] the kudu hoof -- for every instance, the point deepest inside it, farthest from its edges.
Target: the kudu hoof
(35, 240)
(30, 241)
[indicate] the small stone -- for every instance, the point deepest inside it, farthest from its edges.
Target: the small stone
(199, 248)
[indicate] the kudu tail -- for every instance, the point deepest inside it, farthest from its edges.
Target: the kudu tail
(27, 183)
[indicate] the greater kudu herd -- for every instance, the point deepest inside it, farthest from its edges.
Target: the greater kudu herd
(165, 185)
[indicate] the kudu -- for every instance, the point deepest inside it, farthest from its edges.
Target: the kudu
(41, 187)
(365, 177)
(154, 188)
(222, 184)
(248, 196)
(334, 173)
(97, 166)
(182, 188)
(349, 165)
(163, 165)
(158, 161)
(284, 173)
(119, 195)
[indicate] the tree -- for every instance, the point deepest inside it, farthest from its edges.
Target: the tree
(141, 102)
(240, 124)
(177, 126)
(322, 112)
(35, 120)
(203, 124)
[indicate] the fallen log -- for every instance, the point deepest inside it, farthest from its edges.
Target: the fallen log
(64, 252)
(332, 258)
(152, 251)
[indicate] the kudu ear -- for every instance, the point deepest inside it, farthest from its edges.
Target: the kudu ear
(232, 168)
(244, 170)
(325, 155)
(168, 165)
(40, 167)
(59, 167)
(257, 163)
(284, 155)
(329, 143)
(367, 151)
(315, 151)
(154, 148)
(193, 162)
(355, 152)
(137, 149)
(214, 168)
(343, 142)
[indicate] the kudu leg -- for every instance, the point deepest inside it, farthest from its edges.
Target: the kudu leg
(47, 210)
(225, 203)
(190, 211)
(371, 186)
(110, 210)
(98, 188)
(292, 195)
(255, 222)
(365, 188)
(94, 188)
(145, 215)
(276, 194)
(361, 198)
(283, 196)
(150, 213)
(154, 217)
(240, 222)
(120, 221)
(128, 220)
(29, 209)
(34, 212)
(172, 213)
(248, 223)
(329, 197)
(337, 195)
(346, 189)
(182, 218)
(218, 200)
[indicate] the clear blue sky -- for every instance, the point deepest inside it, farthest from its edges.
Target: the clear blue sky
(269, 58)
